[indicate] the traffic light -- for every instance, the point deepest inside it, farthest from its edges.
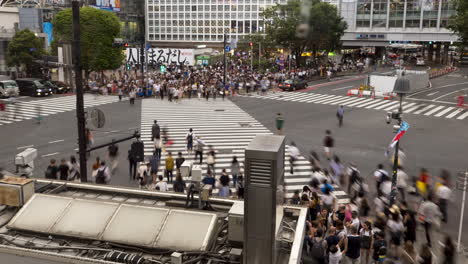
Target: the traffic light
(251, 44)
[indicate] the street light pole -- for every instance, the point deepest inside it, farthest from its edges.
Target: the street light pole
(224, 62)
(394, 191)
(79, 90)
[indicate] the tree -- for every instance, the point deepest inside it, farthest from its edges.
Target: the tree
(459, 22)
(23, 50)
(304, 25)
(98, 28)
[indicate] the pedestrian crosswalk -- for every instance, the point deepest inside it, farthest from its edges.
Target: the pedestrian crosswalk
(24, 110)
(221, 124)
(409, 107)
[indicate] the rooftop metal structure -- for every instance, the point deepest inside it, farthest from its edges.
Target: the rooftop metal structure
(120, 237)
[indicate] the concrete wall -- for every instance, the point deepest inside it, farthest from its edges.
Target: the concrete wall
(8, 18)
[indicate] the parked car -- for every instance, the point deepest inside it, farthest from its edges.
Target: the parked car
(8, 88)
(33, 87)
(61, 87)
(293, 85)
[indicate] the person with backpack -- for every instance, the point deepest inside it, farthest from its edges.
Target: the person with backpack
(352, 244)
(317, 246)
(103, 174)
(189, 137)
(379, 247)
(51, 171)
(380, 174)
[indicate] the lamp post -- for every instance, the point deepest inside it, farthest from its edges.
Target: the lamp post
(402, 87)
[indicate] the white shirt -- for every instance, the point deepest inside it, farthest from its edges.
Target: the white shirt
(402, 179)
(379, 173)
(335, 258)
(162, 186)
(294, 151)
(327, 199)
(443, 192)
(386, 187)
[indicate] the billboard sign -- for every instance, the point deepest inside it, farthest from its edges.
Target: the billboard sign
(109, 5)
(161, 56)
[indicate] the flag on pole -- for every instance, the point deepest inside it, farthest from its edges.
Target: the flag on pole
(403, 128)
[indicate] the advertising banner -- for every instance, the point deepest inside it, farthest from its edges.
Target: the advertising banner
(162, 56)
(109, 5)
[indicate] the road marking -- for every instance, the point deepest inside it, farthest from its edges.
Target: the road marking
(431, 94)
(342, 88)
(112, 131)
(463, 116)
(446, 110)
(413, 108)
(454, 113)
(430, 89)
(449, 93)
(434, 110)
(50, 154)
(424, 109)
(56, 141)
(24, 147)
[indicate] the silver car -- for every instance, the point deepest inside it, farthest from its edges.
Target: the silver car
(8, 88)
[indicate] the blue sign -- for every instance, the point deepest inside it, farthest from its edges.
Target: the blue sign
(227, 49)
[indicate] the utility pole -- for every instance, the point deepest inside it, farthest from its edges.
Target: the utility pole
(259, 53)
(224, 62)
(462, 184)
(142, 64)
(394, 190)
(79, 90)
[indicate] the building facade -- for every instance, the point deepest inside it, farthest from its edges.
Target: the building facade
(187, 23)
(380, 22)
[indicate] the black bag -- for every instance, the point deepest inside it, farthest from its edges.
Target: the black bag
(101, 177)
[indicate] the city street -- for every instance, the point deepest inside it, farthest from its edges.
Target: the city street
(433, 143)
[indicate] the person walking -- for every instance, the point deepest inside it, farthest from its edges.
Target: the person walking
(179, 184)
(161, 185)
(158, 144)
(339, 115)
(444, 195)
(113, 153)
(240, 187)
(154, 165)
(448, 251)
(430, 214)
(103, 175)
(352, 249)
(235, 170)
(63, 170)
(211, 159)
(328, 144)
(279, 123)
(293, 156)
(132, 165)
(224, 184)
(199, 149)
(367, 236)
(379, 247)
(189, 137)
(402, 182)
(155, 131)
(169, 167)
(379, 175)
(132, 95)
(179, 161)
(51, 171)
(74, 174)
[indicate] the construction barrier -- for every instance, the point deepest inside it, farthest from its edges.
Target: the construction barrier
(441, 72)
(370, 93)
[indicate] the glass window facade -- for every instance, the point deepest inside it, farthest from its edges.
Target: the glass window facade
(403, 13)
(204, 20)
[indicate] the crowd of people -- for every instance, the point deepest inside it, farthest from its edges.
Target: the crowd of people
(370, 228)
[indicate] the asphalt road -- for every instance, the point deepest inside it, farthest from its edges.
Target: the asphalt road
(430, 143)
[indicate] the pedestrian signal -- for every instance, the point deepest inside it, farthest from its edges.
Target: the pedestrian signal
(162, 68)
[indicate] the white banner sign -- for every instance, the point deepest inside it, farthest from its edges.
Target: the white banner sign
(162, 56)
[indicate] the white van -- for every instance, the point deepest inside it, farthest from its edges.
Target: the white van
(8, 88)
